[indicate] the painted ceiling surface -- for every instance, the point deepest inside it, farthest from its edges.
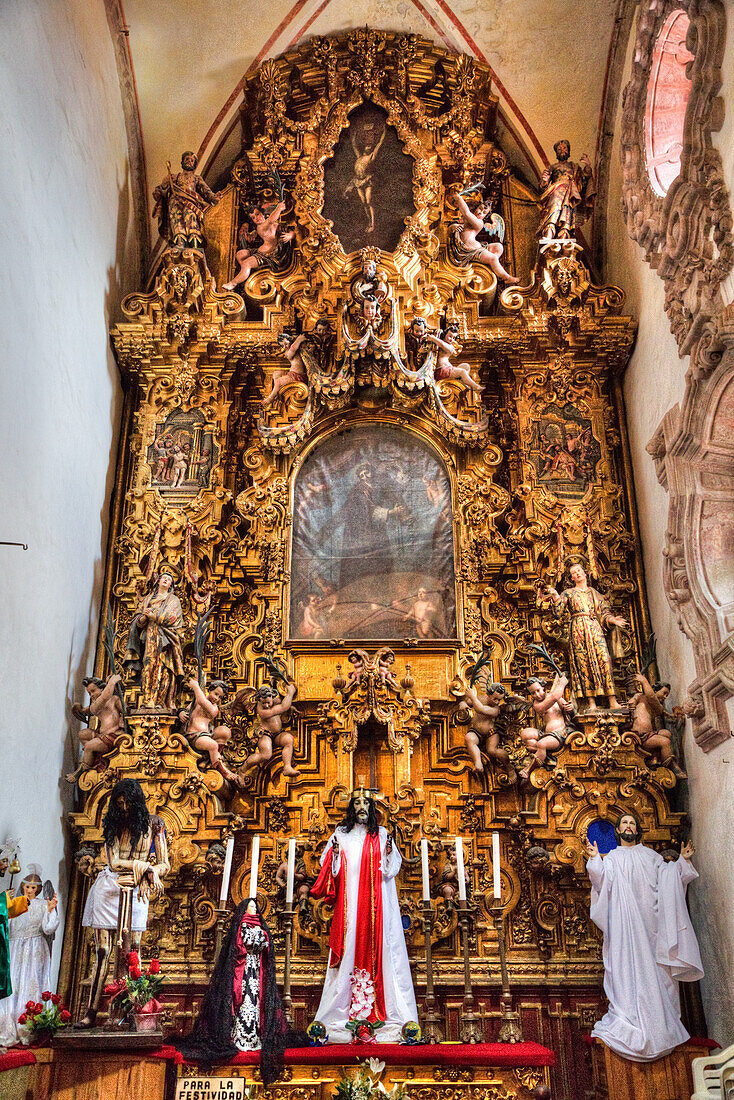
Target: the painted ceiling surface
(548, 57)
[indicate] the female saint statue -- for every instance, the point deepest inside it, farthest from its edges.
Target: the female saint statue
(154, 643)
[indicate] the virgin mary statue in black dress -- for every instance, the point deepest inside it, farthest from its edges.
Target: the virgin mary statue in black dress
(242, 1009)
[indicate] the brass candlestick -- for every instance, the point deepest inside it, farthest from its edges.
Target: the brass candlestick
(222, 913)
(431, 1020)
(511, 1027)
(470, 1023)
(288, 914)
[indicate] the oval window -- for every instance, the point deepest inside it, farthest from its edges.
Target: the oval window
(667, 98)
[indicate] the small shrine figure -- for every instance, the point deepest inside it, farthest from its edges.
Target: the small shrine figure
(30, 955)
(385, 659)
(154, 643)
(556, 714)
(270, 710)
(290, 345)
(199, 728)
(647, 706)
(448, 876)
(446, 343)
(368, 979)
(369, 283)
(590, 615)
(267, 245)
(242, 1009)
(568, 192)
(302, 881)
(638, 899)
(463, 246)
(487, 707)
(106, 706)
(416, 348)
(118, 899)
(180, 204)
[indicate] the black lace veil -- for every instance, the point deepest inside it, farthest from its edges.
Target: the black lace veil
(210, 1040)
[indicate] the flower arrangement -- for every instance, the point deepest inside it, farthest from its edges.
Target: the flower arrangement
(363, 1001)
(137, 993)
(42, 1021)
(367, 1085)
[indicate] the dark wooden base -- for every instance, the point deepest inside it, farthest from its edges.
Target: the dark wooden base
(668, 1078)
(98, 1038)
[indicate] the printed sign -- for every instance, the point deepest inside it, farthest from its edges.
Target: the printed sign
(210, 1088)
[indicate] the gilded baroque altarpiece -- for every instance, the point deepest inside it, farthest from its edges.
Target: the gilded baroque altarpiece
(476, 501)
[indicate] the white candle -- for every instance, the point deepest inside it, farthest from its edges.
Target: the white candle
(253, 867)
(291, 871)
(226, 873)
(460, 872)
(496, 866)
(424, 869)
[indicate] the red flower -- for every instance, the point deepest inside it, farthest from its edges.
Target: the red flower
(55, 999)
(135, 973)
(22, 1019)
(65, 1016)
(154, 967)
(30, 1005)
(46, 996)
(133, 959)
(38, 1007)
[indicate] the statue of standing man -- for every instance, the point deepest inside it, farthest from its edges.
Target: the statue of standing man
(567, 196)
(180, 203)
(639, 902)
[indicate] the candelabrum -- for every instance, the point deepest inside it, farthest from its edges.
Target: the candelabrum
(471, 1031)
(511, 1027)
(288, 914)
(431, 1019)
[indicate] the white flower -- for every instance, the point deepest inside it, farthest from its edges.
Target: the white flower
(376, 1066)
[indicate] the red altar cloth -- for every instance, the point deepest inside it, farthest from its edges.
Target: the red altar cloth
(15, 1058)
(437, 1054)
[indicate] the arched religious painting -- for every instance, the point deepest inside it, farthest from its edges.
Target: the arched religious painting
(368, 183)
(373, 545)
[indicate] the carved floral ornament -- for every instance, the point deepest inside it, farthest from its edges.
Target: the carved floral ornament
(686, 236)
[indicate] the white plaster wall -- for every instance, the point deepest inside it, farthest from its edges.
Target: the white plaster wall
(654, 383)
(66, 222)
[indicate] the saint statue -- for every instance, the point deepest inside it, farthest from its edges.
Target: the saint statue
(154, 643)
(242, 1009)
(568, 192)
(180, 202)
(639, 902)
(30, 935)
(368, 974)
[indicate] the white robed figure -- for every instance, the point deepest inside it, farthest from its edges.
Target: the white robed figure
(639, 902)
(359, 865)
(30, 955)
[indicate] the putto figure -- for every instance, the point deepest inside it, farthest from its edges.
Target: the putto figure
(290, 345)
(487, 705)
(154, 643)
(463, 246)
(180, 203)
(590, 615)
(270, 710)
(118, 899)
(104, 705)
(639, 902)
(446, 344)
(199, 728)
(267, 245)
(555, 713)
(647, 706)
(568, 192)
(368, 974)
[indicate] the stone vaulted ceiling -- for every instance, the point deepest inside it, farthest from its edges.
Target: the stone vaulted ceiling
(549, 59)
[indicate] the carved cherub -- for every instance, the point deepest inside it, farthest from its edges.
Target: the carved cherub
(487, 706)
(465, 249)
(104, 705)
(448, 876)
(556, 714)
(385, 659)
(265, 246)
(648, 708)
(302, 881)
(198, 724)
(444, 368)
(359, 660)
(270, 710)
(290, 345)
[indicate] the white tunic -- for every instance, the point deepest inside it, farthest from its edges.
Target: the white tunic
(400, 1006)
(638, 900)
(103, 900)
(30, 964)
